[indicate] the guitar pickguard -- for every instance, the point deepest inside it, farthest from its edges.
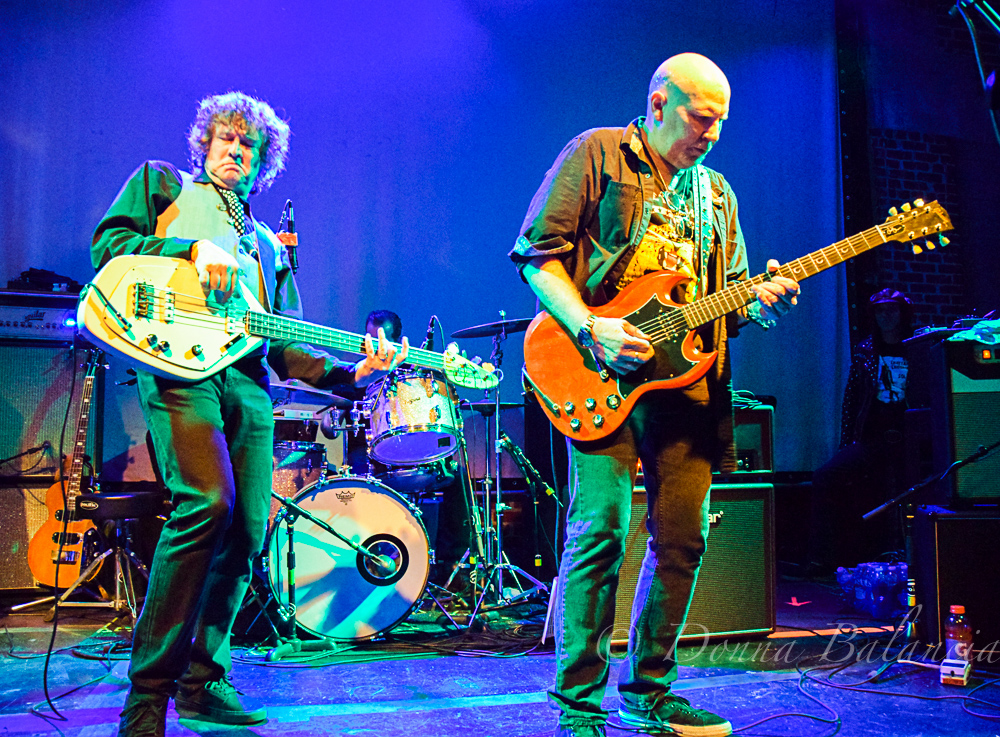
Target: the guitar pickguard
(669, 361)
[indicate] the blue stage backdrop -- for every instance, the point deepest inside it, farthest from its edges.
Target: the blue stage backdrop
(421, 129)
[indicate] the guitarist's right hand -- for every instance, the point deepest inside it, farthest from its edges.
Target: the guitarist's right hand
(620, 345)
(217, 269)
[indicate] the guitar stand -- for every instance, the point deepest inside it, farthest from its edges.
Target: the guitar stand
(124, 598)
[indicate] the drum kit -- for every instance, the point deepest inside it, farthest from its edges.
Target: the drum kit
(347, 554)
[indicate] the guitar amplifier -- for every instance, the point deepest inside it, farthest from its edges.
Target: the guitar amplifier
(735, 592)
(22, 512)
(36, 374)
(965, 404)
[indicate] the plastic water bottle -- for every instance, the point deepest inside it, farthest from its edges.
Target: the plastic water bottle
(957, 635)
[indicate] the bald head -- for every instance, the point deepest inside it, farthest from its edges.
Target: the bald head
(688, 101)
(690, 74)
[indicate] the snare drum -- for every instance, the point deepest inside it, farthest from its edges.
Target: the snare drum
(413, 419)
(338, 593)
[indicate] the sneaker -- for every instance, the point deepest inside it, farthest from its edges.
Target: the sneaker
(669, 713)
(218, 701)
(144, 715)
(590, 729)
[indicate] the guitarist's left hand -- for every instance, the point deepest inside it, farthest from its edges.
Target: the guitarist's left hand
(777, 296)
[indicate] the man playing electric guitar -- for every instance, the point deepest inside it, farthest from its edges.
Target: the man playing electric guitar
(616, 205)
(213, 437)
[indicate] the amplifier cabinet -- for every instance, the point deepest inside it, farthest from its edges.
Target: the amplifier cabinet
(22, 512)
(735, 592)
(958, 562)
(965, 403)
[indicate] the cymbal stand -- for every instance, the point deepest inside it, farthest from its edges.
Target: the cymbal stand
(496, 560)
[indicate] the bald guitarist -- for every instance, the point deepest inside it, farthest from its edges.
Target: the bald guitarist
(619, 204)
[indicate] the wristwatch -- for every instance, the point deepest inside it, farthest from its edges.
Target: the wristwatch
(586, 335)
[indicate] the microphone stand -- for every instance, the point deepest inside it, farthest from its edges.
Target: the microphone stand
(908, 625)
(291, 643)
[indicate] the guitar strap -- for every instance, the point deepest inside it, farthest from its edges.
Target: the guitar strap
(704, 222)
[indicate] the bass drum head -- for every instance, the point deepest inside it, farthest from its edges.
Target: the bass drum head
(339, 593)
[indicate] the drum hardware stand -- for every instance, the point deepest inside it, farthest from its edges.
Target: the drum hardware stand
(496, 561)
(292, 643)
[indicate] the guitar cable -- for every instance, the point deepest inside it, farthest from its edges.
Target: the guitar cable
(62, 537)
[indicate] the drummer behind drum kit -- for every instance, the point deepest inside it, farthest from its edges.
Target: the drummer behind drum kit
(348, 557)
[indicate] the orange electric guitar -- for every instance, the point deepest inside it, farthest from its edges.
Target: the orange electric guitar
(588, 401)
(44, 557)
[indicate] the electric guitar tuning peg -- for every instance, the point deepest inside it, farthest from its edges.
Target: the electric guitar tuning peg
(943, 240)
(917, 250)
(929, 245)
(918, 203)
(905, 207)
(893, 212)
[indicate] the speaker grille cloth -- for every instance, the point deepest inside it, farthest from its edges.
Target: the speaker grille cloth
(977, 422)
(34, 388)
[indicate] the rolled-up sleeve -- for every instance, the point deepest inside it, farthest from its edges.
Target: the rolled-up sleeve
(560, 207)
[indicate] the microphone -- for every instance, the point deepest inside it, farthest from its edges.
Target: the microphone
(289, 238)
(429, 337)
(526, 466)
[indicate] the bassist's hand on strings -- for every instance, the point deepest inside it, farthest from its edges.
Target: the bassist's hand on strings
(777, 296)
(620, 345)
(217, 269)
(379, 360)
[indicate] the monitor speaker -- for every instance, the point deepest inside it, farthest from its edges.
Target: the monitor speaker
(734, 595)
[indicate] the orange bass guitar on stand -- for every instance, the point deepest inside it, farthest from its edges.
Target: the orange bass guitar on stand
(588, 401)
(61, 544)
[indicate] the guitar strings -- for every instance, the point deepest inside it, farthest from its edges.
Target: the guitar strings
(190, 310)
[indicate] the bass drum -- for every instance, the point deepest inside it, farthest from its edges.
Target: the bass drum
(338, 593)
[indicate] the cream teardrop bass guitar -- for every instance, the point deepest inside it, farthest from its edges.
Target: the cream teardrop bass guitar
(586, 400)
(153, 312)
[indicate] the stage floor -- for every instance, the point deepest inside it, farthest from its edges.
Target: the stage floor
(493, 682)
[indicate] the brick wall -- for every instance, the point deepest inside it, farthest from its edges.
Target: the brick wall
(907, 165)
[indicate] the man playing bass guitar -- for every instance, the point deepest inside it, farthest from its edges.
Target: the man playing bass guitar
(619, 204)
(213, 436)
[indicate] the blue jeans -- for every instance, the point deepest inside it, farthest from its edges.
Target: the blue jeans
(213, 440)
(674, 433)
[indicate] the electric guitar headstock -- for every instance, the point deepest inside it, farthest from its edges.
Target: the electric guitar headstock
(919, 221)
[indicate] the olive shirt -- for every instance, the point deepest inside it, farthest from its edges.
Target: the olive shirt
(162, 211)
(593, 210)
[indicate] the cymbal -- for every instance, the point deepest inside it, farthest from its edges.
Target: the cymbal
(293, 391)
(514, 325)
(486, 408)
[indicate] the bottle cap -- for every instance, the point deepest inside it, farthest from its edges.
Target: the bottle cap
(957, 609)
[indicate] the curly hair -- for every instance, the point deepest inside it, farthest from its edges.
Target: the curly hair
(256, 116)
